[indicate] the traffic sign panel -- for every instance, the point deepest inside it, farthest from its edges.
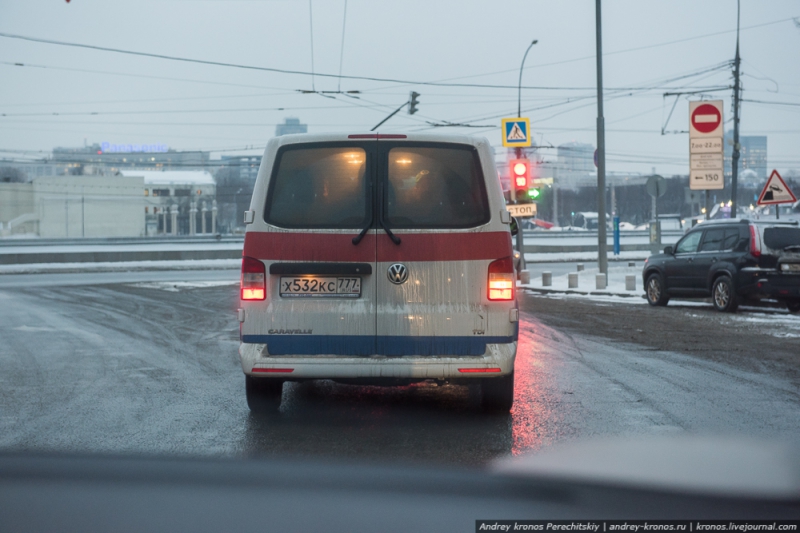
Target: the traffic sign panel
(705, 118)
(516, 131)
(656, 186)
(776, 191)
(705, 162)
(705, 145)
(522, 210)
(706, 180)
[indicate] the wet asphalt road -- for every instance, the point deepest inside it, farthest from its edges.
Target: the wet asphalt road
(123, 362)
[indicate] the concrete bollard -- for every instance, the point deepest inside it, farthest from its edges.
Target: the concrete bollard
(580, 267)
(572, 280)
(547, 279)
(631, 263)
(600, 282)
(630, 282)
(524, 277)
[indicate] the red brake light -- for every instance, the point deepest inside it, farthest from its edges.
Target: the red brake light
(501, 279)
(253, 279)
(755, 242)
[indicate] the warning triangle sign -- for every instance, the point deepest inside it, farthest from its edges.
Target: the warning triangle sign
(776, 191)
(516, 133)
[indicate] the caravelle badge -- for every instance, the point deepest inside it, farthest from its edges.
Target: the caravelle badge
(397, 273)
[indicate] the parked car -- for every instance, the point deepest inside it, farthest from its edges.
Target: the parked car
(731, 260)
(378, 259)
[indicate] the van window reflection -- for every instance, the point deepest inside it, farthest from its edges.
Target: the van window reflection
(435, 188)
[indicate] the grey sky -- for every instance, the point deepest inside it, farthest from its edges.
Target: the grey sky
(210, 107)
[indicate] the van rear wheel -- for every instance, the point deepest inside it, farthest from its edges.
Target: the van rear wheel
(498, 393)
(263, 394)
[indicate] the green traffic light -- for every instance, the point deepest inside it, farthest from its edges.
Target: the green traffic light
(534, 193)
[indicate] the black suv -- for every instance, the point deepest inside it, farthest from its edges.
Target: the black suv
(731, 260)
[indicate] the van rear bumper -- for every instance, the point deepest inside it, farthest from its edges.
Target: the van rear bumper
(498, 357)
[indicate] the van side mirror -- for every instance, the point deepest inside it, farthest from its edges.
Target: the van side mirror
(514, 226)
(669, 250)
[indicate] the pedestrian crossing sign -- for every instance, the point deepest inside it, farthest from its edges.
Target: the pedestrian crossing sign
(516, 131)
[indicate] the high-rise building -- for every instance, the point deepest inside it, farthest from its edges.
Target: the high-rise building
(753, 154)
(290, 125)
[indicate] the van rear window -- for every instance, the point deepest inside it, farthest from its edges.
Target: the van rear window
(319, 188)
(435, 187)
(780, 238)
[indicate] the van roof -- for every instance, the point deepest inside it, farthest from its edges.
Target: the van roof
(382, 135)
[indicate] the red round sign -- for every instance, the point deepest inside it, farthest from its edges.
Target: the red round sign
(706, 118)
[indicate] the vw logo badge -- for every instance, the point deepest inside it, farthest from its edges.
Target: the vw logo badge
(398, 273)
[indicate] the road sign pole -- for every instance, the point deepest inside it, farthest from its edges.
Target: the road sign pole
(602, 253)
(708, 208)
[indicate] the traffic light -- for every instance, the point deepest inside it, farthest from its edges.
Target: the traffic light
(413, 102)
(520, 178)
(534, 193)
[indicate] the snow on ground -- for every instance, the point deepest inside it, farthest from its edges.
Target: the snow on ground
(562, 257)
(119, 247)
(587, 282)
(177, 286)
(778, 325)
(186, 264)
(773, 321)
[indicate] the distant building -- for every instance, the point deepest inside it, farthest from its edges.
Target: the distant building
(752, 156)
(178, 202)
(290, 125)
(575, 164)
(74, 206)
(112, 158)
(242, 166)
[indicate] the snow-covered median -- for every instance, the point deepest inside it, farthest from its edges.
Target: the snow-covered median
(587, 283)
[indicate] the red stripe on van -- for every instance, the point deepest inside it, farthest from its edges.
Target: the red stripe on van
(332, 247)
(414, 247)
(445, 246)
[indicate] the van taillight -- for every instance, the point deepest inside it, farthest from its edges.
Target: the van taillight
(755, 242)
(253, 279)
(501, 279)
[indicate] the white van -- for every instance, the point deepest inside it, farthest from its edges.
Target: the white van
(378, 259)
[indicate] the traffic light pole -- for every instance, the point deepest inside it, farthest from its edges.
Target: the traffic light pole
(393, 113)
(520, 236)
(602, 253)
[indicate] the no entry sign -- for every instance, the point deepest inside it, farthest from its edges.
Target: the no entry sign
(705, 145)
(705, 118)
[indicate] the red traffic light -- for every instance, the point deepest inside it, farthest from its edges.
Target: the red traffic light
(520, 172)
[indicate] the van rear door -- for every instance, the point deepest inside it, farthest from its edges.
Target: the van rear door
(318, 248)
(434, 248)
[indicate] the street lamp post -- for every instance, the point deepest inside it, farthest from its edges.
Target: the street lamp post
(519, 88)
(518, 152)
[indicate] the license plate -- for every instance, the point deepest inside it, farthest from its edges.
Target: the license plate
(320, 286)
(791, 267)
